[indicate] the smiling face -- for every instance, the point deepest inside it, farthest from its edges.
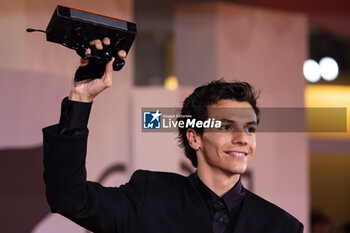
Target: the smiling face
(226, 151)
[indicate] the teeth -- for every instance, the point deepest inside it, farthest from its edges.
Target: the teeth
(238, 154)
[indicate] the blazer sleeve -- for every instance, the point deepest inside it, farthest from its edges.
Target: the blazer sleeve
(301, 228)
(89, 204)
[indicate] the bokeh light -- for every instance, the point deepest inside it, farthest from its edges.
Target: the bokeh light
(329, 68)
(312, 71)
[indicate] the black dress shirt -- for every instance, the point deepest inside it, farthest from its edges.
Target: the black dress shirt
(224, 211)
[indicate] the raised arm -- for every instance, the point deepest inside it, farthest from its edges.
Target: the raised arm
(89, 204)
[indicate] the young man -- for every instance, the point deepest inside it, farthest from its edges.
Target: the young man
(210, 200)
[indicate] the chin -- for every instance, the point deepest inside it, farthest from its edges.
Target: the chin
(238, 169)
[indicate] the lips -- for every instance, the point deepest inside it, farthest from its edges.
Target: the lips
(237, 154)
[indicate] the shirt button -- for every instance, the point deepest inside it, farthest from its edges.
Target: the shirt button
(219, 219)
(219, 203)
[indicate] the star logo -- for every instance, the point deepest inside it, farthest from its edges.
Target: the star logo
(151, 120)
(156, 115)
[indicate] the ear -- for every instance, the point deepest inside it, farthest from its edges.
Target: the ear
(194, 139)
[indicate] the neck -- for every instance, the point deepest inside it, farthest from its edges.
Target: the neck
(219, 182)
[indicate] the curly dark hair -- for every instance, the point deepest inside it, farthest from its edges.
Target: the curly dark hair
(196, 105)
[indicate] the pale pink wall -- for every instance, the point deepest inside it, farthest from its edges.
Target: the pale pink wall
(153, 151)
(29, 101)
(266, 48)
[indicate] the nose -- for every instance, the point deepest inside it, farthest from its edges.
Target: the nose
(240, 138)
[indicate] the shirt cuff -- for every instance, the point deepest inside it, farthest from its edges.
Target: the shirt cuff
(74, 115)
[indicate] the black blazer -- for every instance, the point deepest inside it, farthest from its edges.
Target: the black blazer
(154, 202)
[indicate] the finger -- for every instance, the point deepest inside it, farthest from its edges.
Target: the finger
(109, 66)
(106, 41)
(92, 43)
(107, 77)
(122, 54)
(97, 44)
(88, 51)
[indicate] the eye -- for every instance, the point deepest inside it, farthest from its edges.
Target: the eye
(250, 129)
(226, 127)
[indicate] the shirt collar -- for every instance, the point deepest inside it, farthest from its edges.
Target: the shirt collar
(231, 199)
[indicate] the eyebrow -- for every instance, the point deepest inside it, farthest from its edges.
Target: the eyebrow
(233, 121)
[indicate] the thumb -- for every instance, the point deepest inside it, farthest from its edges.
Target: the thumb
(109, 66)
(107, 77)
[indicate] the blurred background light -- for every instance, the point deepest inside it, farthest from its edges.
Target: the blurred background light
(171, 83)
(329, 68)
(312, 71)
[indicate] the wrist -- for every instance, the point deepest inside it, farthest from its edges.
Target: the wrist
(80, 97)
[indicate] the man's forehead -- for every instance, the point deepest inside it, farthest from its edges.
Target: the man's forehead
(233, 114)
